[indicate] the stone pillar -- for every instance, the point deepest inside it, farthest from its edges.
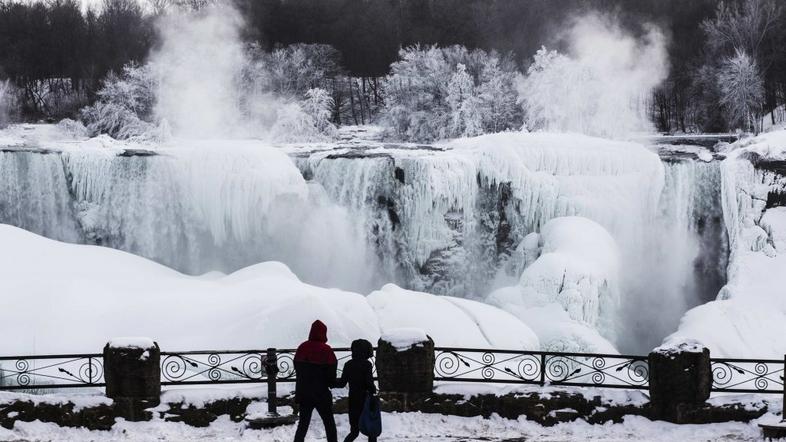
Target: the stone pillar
(680, 380)
(408, 369)
(132, 371)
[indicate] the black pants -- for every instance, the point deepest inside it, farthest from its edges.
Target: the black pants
(355, 410)
(325, 411)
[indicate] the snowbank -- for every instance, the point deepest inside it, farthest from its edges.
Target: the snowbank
(450, 322)
(61, 298)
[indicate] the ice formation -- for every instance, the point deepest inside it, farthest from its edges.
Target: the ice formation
(577, 270)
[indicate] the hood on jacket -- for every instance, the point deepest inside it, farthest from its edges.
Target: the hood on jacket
(318, 332)
(362, 349)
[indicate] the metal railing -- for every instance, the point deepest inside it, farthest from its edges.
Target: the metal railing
(51, 371)
(748, 375)
(44, 372)
(541, 368)
(213, 367)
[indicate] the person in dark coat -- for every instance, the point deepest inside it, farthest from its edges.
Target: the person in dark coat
(358, 374)
(315, 365)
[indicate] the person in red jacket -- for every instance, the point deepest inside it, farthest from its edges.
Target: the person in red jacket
(315, 365)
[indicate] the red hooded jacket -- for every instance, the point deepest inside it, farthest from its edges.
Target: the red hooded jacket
(316, 350)
(315, 367)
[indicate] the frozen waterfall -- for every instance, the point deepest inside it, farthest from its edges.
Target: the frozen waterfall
(448, 219)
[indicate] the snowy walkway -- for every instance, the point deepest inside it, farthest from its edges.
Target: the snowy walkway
(403, 427)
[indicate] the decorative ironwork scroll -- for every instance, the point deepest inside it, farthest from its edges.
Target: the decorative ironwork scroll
(747, 375)
(51, 371)
(542, 368)
(215, 367)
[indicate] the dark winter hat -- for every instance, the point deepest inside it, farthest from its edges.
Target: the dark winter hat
(362, 349)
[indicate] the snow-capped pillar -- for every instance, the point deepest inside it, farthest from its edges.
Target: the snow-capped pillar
(680, 380)
(405, 361)
(132, 372)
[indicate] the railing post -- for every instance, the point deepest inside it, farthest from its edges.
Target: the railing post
(783, 413)
(90, 369)
(271, 369)
(542, 369)
(132, 370)
(408, 368)
(680, 380)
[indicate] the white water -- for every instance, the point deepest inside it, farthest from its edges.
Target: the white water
(684, 259)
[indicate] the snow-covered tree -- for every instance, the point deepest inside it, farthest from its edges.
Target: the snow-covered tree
(417, 89)
(742, 26)
(292, 124)
(430, 97)
(124, 108)
(318, 105)
(464, 106)
(739, 40)
(742, 90)
(498, 97)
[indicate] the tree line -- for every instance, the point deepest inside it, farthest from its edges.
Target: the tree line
(728, 63)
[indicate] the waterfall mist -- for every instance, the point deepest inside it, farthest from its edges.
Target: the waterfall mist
(601, 84)
(678, 261)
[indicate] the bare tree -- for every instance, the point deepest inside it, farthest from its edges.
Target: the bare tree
(742, 91)
(743, 27)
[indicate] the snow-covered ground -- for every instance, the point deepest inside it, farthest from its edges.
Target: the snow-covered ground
(405, 427)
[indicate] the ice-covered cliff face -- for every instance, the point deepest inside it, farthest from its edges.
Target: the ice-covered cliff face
(447, 219)
(747, 318)
(195, 208)
(454, 220)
